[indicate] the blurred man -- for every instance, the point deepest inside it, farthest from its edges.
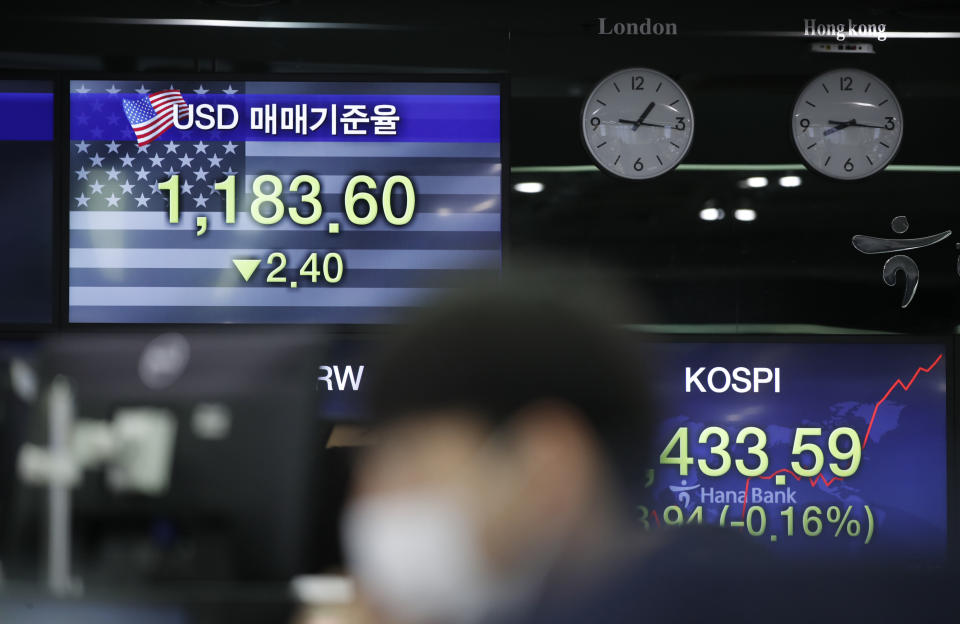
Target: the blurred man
(515, 424)
(513, 419)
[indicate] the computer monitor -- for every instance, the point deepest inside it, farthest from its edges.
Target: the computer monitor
(815, 447)
(279, 201)
(239, 501)
(27, 196)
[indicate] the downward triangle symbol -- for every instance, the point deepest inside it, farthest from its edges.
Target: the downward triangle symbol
(246, 267)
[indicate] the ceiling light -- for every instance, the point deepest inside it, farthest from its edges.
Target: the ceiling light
(711, 214)
(745, 214)
(790, 181)
(528, 187)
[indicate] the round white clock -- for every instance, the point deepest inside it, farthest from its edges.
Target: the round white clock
(637, 123)
(847, 124)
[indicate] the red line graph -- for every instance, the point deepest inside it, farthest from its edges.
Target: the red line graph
(876, 408)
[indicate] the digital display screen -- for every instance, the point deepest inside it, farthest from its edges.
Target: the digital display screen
(278, 202)
(26, 201)
(809, 448)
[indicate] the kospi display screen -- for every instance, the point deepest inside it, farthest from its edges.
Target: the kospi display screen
(818, 448)
(199, 201)
(26, 201)
(809, 448)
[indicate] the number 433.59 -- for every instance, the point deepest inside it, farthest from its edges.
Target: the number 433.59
(805, 446)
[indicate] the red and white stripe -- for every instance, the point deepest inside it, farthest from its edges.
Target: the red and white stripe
(163, 103)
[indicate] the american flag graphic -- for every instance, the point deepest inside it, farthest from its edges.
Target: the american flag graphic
(129, 264)
(151, 115)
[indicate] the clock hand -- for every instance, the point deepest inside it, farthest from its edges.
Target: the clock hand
(639, 122)
(847, 124)
(643, 116)
(840, 125)
(642, 123)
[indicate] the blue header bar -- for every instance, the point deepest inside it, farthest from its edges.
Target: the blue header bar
(418, 117)
(26, 116)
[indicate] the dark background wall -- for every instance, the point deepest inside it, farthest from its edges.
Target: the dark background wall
(793, 265)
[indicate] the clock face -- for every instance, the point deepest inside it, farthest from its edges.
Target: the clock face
(847, 124)
(637, 124)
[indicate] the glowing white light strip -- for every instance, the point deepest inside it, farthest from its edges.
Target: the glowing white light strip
(894, 34)
(227, 23)
(733, 167)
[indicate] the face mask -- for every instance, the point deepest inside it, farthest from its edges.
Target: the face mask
(416, 557)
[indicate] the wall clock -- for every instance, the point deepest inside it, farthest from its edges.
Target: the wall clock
(847, 124)
(637, 124)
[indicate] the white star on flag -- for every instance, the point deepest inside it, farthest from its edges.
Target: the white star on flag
(106, 175)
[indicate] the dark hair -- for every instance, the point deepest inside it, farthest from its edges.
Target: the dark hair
(496, 348)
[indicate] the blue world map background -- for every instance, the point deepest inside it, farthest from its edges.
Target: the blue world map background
(903, 471)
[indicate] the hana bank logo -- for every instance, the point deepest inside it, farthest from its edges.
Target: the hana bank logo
(682, 492)
(900, 263)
